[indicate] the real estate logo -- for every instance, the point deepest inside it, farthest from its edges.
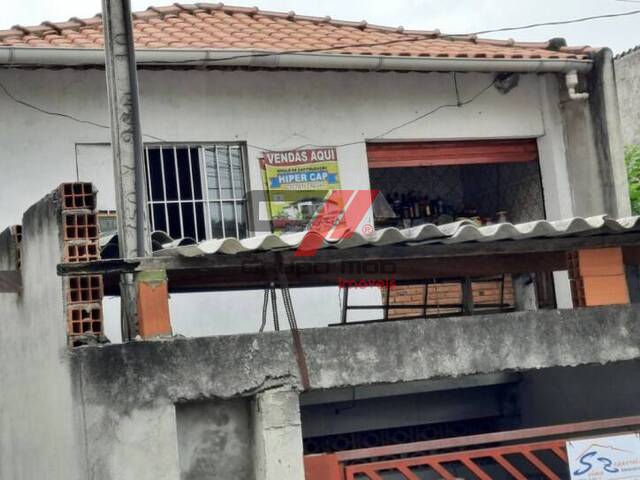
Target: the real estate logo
(608, 458)
(325, 215)
(337, 219)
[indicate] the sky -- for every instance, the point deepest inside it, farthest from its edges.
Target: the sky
(450, 16)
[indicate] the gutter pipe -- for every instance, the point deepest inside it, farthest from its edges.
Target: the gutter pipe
(85, 57)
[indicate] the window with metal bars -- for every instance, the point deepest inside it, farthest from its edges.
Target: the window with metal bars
(197, 191)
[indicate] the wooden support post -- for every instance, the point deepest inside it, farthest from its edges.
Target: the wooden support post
(598, 277)
(467, 296)
(153, 304)
(633, 282)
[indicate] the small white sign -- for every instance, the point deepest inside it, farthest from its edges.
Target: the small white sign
(605, 458)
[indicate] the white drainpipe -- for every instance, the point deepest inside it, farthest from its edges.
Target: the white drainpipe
(572, 83)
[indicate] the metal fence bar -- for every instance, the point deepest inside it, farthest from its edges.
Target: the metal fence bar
(466, 458)
(489, 438)
(513, 471)
(539, 465)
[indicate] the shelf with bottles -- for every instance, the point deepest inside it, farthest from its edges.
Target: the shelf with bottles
(413, 209)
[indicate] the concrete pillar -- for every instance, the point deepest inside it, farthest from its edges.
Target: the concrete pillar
(607, 135)
(524, 292)
(277, 451)
(553, 152)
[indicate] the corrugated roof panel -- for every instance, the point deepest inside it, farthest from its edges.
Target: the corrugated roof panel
(451, 233)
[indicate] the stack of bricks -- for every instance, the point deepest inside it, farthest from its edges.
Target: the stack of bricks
(440, 295)
(598, 277)
(81, 233)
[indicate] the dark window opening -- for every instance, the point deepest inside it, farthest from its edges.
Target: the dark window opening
(197, 191)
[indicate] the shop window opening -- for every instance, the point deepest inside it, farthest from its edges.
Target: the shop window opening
(486, 182)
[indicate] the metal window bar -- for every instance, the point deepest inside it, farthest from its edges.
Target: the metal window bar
(207, 202)
(193, 194)
(175, 163)
(164, 193)
(204, 180)
(233, 190)
(150, 188)
(215, 156)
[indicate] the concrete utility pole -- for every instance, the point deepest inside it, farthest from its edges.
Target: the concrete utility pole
(126, 144)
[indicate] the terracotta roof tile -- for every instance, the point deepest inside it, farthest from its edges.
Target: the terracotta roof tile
(216, 26)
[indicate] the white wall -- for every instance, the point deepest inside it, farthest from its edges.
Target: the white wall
(276, 110)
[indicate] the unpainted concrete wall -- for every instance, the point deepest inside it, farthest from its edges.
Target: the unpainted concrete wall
(628, 80)
(129, 390)
(40, 422)
(121, 377)
(215, 440)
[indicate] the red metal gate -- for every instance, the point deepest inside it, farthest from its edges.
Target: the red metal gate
(521, 462)
(530, 454)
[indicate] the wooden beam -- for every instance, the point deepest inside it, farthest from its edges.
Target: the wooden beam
(10, 281)
(404, 263)
(313, 273)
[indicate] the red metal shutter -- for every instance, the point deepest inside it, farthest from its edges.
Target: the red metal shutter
(432, 154)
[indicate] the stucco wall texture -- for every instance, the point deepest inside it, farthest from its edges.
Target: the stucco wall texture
(40, 419)
(628, 80)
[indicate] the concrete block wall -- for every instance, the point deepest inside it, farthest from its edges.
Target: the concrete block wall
(41, 434)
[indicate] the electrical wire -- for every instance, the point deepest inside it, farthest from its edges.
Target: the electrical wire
(339, 47)
(437, 109)
(559, 22)
(381, 136)
(62, 115)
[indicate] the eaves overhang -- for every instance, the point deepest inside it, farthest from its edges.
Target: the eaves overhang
(51, 57)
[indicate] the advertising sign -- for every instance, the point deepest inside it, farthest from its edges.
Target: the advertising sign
(605, 458)
(298, 183)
